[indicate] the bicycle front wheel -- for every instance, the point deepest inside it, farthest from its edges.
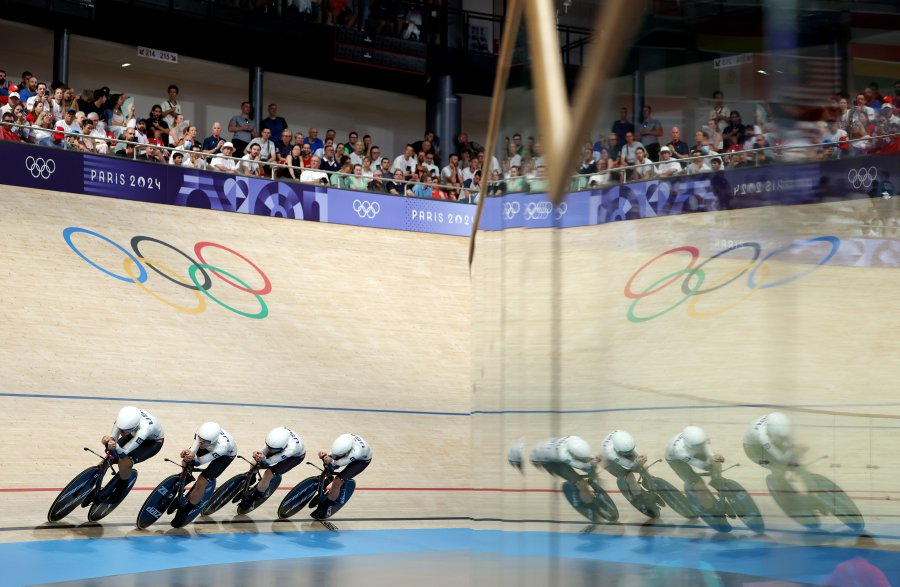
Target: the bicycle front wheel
(73, 494)
(835, 501)
(673, 498)
(603, 504)
(298, 497)
(742, 504)
(158, 501)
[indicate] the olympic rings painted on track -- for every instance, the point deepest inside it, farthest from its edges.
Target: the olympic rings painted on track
(688, 273)
(200, 290)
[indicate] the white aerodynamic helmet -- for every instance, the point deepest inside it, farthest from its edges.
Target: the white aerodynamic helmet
(694, 436)
(278, 438)
(778, 426)
(128, 419)
(579, 448)
(515, 456)
(342, 446)
(623, 443)
(209, 432)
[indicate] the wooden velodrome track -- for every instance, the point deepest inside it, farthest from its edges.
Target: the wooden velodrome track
(381, 333)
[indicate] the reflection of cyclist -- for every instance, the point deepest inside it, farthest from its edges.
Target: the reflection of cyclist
(620, 458)
(283, 451)
(769, 442)
(135, 437)
(561, 456)
(212, 447)
(351, 452)
(690, 449)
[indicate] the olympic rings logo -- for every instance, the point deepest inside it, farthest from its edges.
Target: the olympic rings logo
(134, 260)
(538, 210)
(40, 167)
(862, 177)
(510, 209)
(366, 209)
(691, 288)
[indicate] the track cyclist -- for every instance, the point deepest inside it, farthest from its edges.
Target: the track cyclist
(352, 453)
(135, 437)
(561, 457)
(212, 447)
(283, 451)
(691, 449)
(769, 442)
(620, 458)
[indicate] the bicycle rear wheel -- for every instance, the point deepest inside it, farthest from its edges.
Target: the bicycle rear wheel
(835, 502)
(299, 496)
(793, 503)
(603, 504)
(742, 504)
(673, 498)
(158, 501)
(254, 500)
(184, 516)
(73, 494)
(644, 502)
(224, 494)
(108, 502)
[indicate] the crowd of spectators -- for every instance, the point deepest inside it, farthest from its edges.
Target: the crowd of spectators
(107, 123)
(101, 122)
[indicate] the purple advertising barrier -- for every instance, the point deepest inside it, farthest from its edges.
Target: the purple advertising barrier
(399, 213)
(40, 167)
(124, 179)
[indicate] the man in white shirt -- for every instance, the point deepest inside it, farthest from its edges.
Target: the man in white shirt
(405, 162)
(222, 162)
(312, 174)
(250, 162)
(667, 167)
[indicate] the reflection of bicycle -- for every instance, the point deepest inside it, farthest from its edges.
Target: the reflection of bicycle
(600, 509)
(87, 489)
(656, 493)
(312, 492)
(822, 496)
(166, 498)
(241, 489)
(730, 501)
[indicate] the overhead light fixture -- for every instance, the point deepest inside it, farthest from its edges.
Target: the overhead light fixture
(761, 71)
(126, 65)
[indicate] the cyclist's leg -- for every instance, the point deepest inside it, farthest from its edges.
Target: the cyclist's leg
(693, 483)
(278, 469)
(620, 472)
(143, 452)
(349, 472)
(212, 471)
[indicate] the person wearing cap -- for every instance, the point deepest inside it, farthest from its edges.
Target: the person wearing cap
(667, 167)
(66, 124)
(223, 162)
(11, 103)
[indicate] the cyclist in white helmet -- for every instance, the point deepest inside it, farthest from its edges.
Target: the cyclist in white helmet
(135, 437)
(562, 456)
(690, 449)
(283, 451)
(769, 442)
(212, 447)
(620, 458)
(352, 453)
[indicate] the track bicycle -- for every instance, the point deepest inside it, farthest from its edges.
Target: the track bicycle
(312, 492)
(240, 489)
(167, 496)
(87, 489)
(822, 496)
(656, 493)
(730, 500)
(600, 509)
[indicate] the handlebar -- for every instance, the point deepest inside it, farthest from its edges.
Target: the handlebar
(190, 468)
(254, 463)
(106, 456)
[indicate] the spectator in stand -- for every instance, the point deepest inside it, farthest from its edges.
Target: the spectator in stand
(678, 149)
(341, 179)
(650, 132)
(57, 102)
(702, 138)
(276, 124)
(464, 145)
(294, 162)
(405, 162)
(588, 164)
(223, 162)
(43, 135)
(667, 167)
(629, 150)
(153, 153)
(420, 145)
(719, 112)
(12, 102)
(4, 83)
(350, 145)
(313, 140)
(715, 164)
(735, 133)
(196, 159)
(622, 126)
(397, 187)
(117, 119)
(306, 155)
(177, 158)
(267, 150)
(496, 187)
(357, 181)
(696, 165)
(715, 137)
(451, 173)
(602, 177)
(299, 138)
(860, 110)
(243, 128)
(97, 135)
(170, 107)
(127, 151)
(66, 124)
(367, 145)
(40, 95)
(329, 162)
(251, 162)
(28, 88)
(614, 148)
(176, 131)
(359, 153)
(420, 190)
(70, 100)
(157, 129)
(375, 156)
(468, 172)
(377, 186)
(312, 173)
(284, 146)
(140, 131)
(873, 98)
(367, 170)
(321, 152)
(7, 133)
(212, 145)
(99, 103)
(644, 168)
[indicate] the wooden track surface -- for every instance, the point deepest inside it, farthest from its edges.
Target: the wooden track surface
(358, 319)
